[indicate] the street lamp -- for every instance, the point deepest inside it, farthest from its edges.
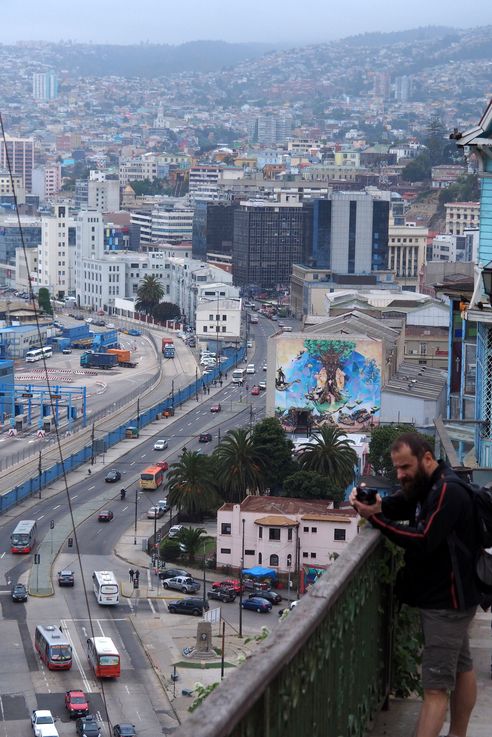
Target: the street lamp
(136, 513)
(204, 584)
(241, 584)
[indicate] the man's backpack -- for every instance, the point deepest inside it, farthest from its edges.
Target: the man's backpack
(482, 508)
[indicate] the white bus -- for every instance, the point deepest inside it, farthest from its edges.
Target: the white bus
(238, 376)
(37, 354)
(106, 589)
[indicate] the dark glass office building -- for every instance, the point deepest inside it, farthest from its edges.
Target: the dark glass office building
(213, 228)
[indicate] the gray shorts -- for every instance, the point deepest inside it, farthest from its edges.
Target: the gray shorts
(446, 646)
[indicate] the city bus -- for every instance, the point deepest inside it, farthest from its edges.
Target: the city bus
(153, 476)
(23, 537)
(238, 376)
(103, 657)
(53, 647)
(106, 588)
(37, 354)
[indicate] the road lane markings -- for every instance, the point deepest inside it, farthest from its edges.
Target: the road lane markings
(74, 496)
(89, 488)
(75, 655)
(151, 606)
(57, 507)
(43, 515)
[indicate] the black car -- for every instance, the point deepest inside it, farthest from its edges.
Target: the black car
(224, 595)
(124, 730)
(270, 596)
(112, 476)
(87, 726)
(193, 605)
(66, 578)
(19, 592)
(205, 437)
(173, 572)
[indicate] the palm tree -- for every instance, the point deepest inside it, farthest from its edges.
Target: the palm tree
(191, 484)
(191, 539)
(330, 454)
(149, 294)
(241, 467)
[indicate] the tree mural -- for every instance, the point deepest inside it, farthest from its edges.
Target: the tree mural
(330, 353)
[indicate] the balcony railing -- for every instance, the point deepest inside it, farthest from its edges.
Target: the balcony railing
(324, 672)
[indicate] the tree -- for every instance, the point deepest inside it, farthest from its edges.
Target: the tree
(169, 550)
(330, 454)
(192, 540)
(241, 467)
(419, 169)
(312, 485)
(380, 447)
(331, 353)
(270, 440)
(191, 484)
(149, 294)
(166, 311)
(44, 301)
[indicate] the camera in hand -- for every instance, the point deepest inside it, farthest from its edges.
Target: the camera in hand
(366, 495)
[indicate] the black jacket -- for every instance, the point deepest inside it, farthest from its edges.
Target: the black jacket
(438, 573)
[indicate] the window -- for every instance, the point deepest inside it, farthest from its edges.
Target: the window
(260, 559)
(226, 551)
(314, 529)
(289, 534)
(274, 560)
(339, 535)
(274, 533)
(313, 555)
(225, 528)
(249, 552)
(305, 529)
(305, 555)
(260, 532)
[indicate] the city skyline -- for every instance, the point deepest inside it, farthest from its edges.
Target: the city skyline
(275, 22)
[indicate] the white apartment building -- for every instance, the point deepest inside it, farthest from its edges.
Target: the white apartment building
(56, 253)
(8, 186)
(205, 182)
(103, 195)
(461, 216)
(89, 244)
(218, 319)
(46, 181)
(167, 224)
(183, 278)
(407, 252)
(446, 247)
(275, 526)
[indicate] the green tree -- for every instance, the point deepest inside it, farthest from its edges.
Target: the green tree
(465, 189)
(191, 484)
(169, 550)
(270, 440)
(166, 311)
(44, 301)
(312, 485)
(382, 438)
(149, 294)
(330, 454)
(240, 465)
(192, 540)
(418, 169)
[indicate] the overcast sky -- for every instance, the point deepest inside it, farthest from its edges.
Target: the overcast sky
(168, 21)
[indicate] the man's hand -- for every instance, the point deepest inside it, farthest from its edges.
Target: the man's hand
(365, 510)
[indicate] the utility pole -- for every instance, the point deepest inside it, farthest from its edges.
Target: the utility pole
(40, 471)
(136, 513)
(298, 562)
(204, 584)
(250, 416)
(241, 584)
(172, 393)
(196, 383)
(138, 413)
(93, 434)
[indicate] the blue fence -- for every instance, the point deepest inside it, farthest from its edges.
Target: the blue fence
(39, 481)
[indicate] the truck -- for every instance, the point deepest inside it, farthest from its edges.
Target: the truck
(168, 351)
(98, 360)
(165, 342)
(123, 357)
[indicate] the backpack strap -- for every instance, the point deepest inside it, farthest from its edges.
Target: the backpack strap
(453, 542)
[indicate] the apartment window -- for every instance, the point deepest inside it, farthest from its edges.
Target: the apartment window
(205, 329)
(260, 559)
(314, 529)
(210, 318)
(226, 551)
(339, 535)
(249, 552)
(274, 560)
(313, 555)
(305, 529)
(289, 534)
(260, 532)
(305, 555)
(274, 533)
(225, 528)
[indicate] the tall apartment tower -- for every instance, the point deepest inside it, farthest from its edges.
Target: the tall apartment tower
(20, 153)
(89, 243)
(44, 86)
(103, 195)
(56, 253)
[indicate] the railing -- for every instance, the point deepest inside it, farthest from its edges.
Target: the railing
(324, 672)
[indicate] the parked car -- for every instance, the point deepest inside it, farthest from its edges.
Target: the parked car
(262, 385)
(160, 444)
(111, 325)
(251, 584)
(105, 515)
(175, 530)
(182, 583)
(193, 605)
(291, 606)
(173, 572)
(255, 391)
(215, 408)
(224, 595)
(87, 726)
(124, 730)
(155, 513)
(66, 577)
(257, 604)
(66, 351)
(76, 703)
(112, 476)
(270, 596)
(264, 367)
(43, 723)
(228, 583)
(249, 344)
(205, 437)
(18, 592)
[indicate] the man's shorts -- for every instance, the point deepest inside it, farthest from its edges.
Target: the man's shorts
(446, 646)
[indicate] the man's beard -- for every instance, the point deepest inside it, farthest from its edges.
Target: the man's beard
(414, 488)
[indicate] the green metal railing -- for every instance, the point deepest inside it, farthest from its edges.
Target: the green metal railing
(324, 672)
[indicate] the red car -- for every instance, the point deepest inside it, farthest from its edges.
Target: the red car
(105, 516)
(76, 704)
(163, 464)
(255, 391)
(215, 408)
(229, 583)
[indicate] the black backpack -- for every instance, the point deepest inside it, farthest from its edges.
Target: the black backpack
(481, 497)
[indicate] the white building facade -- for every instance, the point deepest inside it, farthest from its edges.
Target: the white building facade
(56, 253)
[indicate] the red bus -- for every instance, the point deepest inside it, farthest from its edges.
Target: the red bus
(103, 657)
(23, 537)
(53, 647)
(153, 476)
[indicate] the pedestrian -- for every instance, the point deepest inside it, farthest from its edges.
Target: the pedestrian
(136, 575)
(208, 390)
(220, 383)
(225, 375)
(131, 573)
(438, 576)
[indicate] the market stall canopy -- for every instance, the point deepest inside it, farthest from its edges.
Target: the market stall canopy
(260, 572)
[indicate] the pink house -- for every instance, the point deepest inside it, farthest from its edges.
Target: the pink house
(273, 529)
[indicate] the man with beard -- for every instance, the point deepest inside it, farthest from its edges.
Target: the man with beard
(431, 517)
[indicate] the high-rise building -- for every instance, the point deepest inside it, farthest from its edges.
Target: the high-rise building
(46, 181)
(20, 153)
(44, 86)
(270, 129)
(56, 253)
(213, 228)
(103, 195)
(10, 240)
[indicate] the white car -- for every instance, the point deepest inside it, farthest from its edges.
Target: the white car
(174, 530)
(43, 723)
(262, 385)
(160, 444)
(264, 367)
(250, 368)
(111, 325)
(155, 513)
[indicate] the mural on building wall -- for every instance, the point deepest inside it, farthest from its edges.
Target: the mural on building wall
(327, 381)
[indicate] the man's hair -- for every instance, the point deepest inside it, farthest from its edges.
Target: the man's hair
(417, 444)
